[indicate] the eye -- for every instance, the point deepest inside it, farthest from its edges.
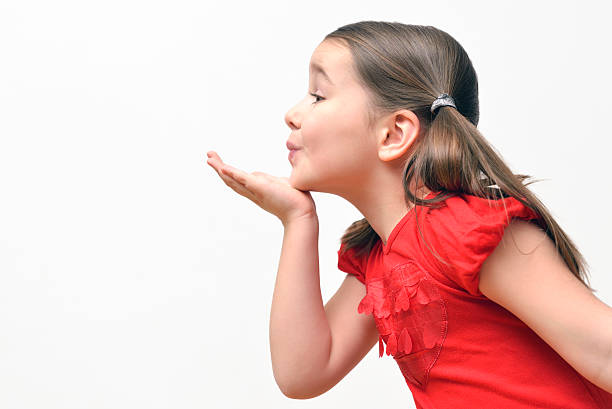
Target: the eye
(316, 96)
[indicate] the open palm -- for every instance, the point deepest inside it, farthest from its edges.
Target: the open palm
(273, 194)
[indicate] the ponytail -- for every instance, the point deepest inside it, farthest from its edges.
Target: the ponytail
(407, 67)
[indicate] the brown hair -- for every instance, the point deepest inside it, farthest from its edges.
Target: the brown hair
(407, 67)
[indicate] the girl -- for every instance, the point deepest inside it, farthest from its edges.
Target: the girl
(457, 270)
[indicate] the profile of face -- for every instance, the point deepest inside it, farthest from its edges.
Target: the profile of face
(330, 128)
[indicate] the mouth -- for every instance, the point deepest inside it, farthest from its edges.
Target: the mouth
(291, 146)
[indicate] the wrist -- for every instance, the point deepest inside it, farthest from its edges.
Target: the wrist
(310, 218)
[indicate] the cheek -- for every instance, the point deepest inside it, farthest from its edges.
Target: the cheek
(332, 126)
(335, 147)
(329, 166)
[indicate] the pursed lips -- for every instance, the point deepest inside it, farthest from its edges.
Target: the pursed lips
(291, 146)
(292, 150)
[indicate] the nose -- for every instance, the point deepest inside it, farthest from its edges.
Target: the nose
(293, 117)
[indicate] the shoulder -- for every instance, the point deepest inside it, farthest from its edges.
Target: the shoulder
(466, 230)
(352, 261)
(522, 243)
(468, 211)
(526, 275)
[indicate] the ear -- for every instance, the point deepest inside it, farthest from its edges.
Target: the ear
(397, 134)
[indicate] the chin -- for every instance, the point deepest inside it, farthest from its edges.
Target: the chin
(297, 183)
(310, 182)
(301, 183)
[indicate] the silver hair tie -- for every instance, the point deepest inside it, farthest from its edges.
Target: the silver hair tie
(444, 100)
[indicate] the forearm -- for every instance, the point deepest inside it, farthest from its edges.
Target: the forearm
(300, 338)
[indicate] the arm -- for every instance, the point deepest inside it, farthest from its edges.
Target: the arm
(313, 346)
(533, 282)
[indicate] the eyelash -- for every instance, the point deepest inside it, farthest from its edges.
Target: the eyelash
(317, 96)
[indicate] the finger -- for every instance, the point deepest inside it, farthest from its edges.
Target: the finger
(238, 188)
(250, 181)
(216, 159)
(213, 154)
(238, 175)
(222, 170)
(215, 162)
(225, 176)
(232, 177)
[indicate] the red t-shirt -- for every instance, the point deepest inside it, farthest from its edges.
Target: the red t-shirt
(455, 347)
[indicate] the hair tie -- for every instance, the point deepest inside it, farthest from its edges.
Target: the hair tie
(444, 100)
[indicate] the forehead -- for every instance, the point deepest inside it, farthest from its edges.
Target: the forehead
(331, 61)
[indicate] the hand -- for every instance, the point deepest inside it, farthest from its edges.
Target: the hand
(273, 194)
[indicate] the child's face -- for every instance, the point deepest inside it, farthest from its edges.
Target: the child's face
(335, 146)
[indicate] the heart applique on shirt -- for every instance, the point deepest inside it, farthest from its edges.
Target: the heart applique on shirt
(410, 316)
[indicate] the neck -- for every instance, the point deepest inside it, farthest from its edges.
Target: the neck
(381, 201)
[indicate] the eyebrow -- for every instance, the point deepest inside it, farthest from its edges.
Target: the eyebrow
(317, 68)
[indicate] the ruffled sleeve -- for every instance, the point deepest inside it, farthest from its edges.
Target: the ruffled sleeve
(350, 263)
(467, 230)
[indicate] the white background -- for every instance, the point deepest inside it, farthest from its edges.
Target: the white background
(132, 277)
